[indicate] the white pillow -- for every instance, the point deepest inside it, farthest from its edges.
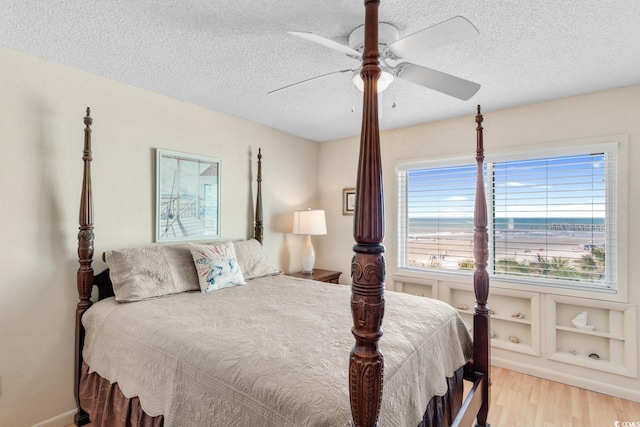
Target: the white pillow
(143, 273)
(217, 266)
(252, 259)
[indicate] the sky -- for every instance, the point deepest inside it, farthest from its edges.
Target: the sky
(559, 187)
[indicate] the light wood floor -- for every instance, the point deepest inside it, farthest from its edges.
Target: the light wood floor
(519, 400)
(524, 401)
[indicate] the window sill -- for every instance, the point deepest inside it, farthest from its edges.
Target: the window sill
(403, 274)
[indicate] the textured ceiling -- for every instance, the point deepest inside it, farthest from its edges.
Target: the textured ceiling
(226, 55)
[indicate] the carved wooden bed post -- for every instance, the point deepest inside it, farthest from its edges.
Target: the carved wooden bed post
(366, 365)
(481, 317)
(258, 231)
(85, 258)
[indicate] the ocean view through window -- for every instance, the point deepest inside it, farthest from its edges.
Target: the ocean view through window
(552, 220)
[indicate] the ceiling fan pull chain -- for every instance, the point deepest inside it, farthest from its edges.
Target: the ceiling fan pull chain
(394, 96)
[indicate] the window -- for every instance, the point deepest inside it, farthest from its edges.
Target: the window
(552, 220)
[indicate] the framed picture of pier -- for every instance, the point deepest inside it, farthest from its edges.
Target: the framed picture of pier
(187, 197)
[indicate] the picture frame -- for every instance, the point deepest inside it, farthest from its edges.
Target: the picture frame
(187, 197)
(348, 201)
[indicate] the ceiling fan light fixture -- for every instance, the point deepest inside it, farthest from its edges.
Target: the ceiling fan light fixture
(386, 78)
(392, 49)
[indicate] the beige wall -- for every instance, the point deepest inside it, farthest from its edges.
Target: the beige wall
(40, 168)
(594, 115)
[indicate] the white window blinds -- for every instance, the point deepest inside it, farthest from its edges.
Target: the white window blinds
(552, 219)
(437, 211)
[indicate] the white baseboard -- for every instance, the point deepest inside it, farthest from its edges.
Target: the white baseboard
(59, 421)
(599, 387)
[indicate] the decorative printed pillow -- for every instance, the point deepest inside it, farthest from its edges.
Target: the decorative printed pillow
(217, 266)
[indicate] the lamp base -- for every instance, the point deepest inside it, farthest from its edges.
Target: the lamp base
(308, 256)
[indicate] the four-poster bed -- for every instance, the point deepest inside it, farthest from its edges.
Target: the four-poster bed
(388, 387)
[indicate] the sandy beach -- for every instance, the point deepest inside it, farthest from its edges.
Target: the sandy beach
(523, 247)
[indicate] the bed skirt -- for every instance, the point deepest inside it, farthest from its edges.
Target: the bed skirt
(442, 410)
(108, 407)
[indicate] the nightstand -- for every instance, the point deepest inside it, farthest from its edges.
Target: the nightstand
(319, 275)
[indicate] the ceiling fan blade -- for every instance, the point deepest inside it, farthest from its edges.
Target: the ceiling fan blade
(308, 80)
(446, 32)
(327, 43)
(436, 80)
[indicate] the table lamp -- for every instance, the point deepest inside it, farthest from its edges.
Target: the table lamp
(309, 223)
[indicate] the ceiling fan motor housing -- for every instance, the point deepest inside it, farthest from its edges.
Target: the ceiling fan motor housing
(387, 34)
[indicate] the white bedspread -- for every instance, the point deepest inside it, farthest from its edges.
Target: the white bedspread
(274, 352)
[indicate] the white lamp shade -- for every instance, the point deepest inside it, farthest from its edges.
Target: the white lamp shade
(386, 78)
(309, 222)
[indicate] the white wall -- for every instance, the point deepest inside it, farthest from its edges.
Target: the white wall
(41, 141)
(598, 114)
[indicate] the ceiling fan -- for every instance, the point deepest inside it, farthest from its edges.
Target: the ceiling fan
(393, 49)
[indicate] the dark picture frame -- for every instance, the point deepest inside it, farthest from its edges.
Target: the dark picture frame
(348, 201)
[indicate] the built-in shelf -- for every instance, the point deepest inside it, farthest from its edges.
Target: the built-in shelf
(610, 346)
(421, 288)
(549, 344)
(504, 303)
(588, 332)
(498, 317)
(511, 319)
